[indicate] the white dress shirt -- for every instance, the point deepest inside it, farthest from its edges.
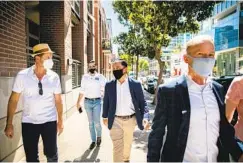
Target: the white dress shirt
(124, 104)
(37, 109)
(204, 123)
(92, 86)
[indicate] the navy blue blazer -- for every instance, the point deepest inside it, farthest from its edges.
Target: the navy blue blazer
(173, 111)
(109, 104)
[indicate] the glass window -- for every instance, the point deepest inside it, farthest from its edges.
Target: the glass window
(222, 6)
(227, 4)
(218, 8)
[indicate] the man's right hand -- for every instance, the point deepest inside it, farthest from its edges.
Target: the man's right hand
(9, 131)
(78, 106)
(105, 121)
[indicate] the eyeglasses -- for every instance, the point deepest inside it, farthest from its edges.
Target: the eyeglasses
(40, 88)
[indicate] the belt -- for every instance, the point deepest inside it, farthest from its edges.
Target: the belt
(125, 117)
(92, 99)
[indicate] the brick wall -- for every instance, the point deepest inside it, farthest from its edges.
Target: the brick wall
(77, 38)
(97, 33)
(67, 37)
(12, 38)
(52, 27)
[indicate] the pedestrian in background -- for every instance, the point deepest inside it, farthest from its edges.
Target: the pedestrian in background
(42, 106)
(234, 101)
(92, 89)
(124, 107)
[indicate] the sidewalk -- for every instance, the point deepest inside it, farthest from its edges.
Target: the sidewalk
(74, 142)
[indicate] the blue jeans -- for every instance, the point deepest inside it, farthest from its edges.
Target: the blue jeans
(93, 108)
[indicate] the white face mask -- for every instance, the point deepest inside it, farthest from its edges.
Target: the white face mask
(48, 64)
(203, 66)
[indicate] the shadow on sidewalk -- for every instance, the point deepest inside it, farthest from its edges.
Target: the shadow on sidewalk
(141, 139)
(84, 157)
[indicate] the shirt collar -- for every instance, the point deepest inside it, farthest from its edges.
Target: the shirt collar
(125, 82)
(32, 73)
(193, 85)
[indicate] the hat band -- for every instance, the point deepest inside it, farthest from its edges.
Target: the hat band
(42, 51)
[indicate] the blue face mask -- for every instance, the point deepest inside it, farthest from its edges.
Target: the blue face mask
(203, 66)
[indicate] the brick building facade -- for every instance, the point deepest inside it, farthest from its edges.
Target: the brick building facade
(73, 31)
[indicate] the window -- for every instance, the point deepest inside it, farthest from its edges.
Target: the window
(90, 7)
(76, 74)
(32, 38)
(75, 4)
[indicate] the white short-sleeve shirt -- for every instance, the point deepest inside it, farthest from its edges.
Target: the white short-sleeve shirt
(92, 86)
(37, 109)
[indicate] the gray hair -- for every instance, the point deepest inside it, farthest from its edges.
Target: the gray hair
(198, 40)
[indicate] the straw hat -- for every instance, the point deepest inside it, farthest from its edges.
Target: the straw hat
(40, 49)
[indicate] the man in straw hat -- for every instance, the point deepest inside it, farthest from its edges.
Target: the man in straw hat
(42, 108)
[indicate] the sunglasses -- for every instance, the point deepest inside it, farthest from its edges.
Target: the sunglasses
(40, 88)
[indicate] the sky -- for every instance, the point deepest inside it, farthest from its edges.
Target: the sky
(116, 26)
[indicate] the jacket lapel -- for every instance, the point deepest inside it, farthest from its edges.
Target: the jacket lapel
(218, 98)
(114, 92)
(131, 87)
(185, 109)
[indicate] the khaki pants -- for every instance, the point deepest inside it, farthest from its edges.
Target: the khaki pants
(122, 136)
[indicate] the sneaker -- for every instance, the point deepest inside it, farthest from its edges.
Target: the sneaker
(98, 141)
(92, 145)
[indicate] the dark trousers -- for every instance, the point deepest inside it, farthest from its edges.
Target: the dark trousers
(31, 134)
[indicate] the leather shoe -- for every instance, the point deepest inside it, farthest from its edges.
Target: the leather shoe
(92, 145)
(98, 141)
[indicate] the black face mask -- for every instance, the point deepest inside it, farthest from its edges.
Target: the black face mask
(118, 74)
(91, 71)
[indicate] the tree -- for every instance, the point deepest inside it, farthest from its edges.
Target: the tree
(143, 65)
(161, 20)
(129, 59)
(132, 43)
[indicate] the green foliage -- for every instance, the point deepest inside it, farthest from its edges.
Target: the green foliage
(143, 65)
(128, 59)
(161, 20)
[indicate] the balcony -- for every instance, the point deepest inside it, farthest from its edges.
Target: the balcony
(75, 4)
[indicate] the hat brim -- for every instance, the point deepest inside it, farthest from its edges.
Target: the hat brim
(33, 55)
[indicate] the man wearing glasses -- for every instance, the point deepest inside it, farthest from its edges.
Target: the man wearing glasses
(42, 110)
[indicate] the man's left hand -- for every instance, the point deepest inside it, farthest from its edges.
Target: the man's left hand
(146, 124)
(60, 127)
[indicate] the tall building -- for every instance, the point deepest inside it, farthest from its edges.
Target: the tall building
(226, 28)
(228, 37)
(73, 29)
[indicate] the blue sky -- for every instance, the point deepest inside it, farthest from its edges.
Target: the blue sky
(116, 26)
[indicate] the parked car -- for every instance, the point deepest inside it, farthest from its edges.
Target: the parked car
(150, 86)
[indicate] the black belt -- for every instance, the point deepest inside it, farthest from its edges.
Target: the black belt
(92, 99)
(125, 117)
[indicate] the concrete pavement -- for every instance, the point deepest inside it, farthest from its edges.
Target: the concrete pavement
(74, 142)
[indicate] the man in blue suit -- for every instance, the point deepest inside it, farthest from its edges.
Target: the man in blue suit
(192, 109)
(124, 107)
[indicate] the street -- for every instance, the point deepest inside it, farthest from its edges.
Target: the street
(74, 142)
